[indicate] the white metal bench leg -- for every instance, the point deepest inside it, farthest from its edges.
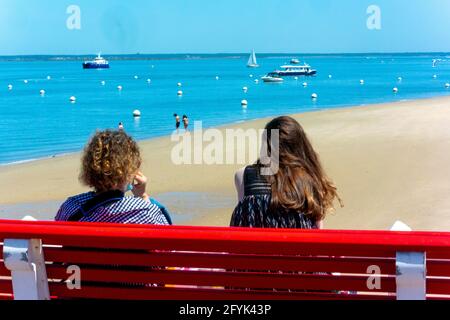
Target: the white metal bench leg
(25, 260)
(411, 276)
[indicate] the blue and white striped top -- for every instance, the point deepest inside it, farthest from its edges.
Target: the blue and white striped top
(129, 210)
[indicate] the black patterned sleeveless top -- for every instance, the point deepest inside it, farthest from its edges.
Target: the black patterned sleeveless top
(254, 209)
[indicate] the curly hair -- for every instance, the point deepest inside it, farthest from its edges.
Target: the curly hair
(110, 159)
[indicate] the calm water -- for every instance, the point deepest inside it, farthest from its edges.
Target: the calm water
(33, 127)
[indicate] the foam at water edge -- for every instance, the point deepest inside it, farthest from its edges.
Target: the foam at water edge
(19, 162)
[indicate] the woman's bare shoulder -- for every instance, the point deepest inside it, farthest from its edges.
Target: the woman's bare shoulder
(239, 175)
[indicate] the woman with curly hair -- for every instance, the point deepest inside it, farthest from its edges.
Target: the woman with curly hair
(111, 167)
(297, 195)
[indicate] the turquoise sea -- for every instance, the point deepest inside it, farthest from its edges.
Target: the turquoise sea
(34, 126)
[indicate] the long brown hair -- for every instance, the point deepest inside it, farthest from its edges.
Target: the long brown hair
(300, 184)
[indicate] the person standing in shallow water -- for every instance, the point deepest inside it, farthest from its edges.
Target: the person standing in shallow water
(177, 122)
(186, 123)
(298, 195)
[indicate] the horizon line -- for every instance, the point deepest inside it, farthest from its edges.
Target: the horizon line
(227, 53)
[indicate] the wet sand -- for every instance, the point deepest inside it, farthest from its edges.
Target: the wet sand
(390, 162)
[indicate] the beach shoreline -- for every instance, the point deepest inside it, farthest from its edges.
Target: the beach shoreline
(387, 160)
(220, 127)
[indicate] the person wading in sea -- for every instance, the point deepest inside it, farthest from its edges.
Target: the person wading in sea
(186, 123)
(177, 122)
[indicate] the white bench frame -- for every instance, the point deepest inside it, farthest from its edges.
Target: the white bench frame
(25, 260)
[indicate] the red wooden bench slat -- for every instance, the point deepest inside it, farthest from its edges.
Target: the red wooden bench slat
(255, 280)
(370, 243)
(438, 268)
(438, 286)
(212, 229)
(250, 247)
(159, 293)
(438, 297)
(240, 247)
(3, 271)
(226, 261)
(5, 286)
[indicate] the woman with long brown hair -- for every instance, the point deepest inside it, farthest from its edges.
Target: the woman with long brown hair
(298, 194)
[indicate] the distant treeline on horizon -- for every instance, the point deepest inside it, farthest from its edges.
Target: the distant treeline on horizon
(185, 56)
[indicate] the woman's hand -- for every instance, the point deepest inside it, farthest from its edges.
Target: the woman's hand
(140, 186)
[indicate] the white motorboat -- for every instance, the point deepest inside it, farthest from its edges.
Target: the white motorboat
(299, 70)
(272, 77)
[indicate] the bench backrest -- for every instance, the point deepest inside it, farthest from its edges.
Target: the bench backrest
(157, 262)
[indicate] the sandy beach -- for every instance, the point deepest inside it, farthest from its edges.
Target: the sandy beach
(389, 162)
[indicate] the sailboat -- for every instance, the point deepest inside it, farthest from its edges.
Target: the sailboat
(252, 63)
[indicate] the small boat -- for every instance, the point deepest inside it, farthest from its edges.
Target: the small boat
(290, 70)
(272, 77)
(252, 63)
(98, 63)
(295, 61)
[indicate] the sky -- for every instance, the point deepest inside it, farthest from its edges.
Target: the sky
(223, 26)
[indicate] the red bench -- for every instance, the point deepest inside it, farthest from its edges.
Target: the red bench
(153, 262)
